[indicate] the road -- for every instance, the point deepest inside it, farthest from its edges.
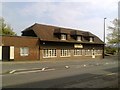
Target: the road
(86, 74)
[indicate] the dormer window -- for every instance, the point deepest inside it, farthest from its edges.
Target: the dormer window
(91, 39)
(79, 38)
(63, 37)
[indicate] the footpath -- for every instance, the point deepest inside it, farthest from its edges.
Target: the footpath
(19, 66)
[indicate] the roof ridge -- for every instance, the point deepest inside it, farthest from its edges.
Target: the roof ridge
(67, 28)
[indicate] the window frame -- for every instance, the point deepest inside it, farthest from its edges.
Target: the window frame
(65, 53)
(24, 51)
(91, 39)
(77, 52)
(49, 53)
(98, 52)
(88, 52)
(79, 38)
(63, 37)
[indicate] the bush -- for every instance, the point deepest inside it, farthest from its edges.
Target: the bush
(110, 50)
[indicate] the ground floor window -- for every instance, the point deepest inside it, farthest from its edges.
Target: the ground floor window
(98, 52)
(88, 52)
(49, 53)
(65, 52)
(24, 51)
(77, 52)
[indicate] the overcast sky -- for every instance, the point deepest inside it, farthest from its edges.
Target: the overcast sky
(87, 15)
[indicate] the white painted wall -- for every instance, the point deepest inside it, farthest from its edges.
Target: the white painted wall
(0, 52)
(11, 52)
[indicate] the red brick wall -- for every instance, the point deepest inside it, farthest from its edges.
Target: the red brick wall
(17, 42)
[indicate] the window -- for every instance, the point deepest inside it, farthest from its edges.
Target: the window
(79, 38)
(63, 37)
(88, 52)
(77, 52)
(49, 53)
(98, 52)
(24, 51)
(91, 39)
(65, 52)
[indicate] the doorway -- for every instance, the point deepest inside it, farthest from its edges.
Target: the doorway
(5, 53)
(93, 53)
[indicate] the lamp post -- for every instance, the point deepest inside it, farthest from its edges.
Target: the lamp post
(104, 39)
(104, 29)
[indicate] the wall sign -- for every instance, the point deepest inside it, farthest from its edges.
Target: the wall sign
(78, 46)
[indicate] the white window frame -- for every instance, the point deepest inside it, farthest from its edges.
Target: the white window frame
(63, 37)
(12, 52)
(49, 53)
(91, 39)
(0, 53)
(88, 52)
(65, 53)
(77, 52)
(79, 38)
(24, 51)
(98, 52)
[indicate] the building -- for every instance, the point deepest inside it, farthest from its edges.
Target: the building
(40, 42)
(19, 48)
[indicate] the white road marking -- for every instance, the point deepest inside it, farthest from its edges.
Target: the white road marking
(43, 69)
(106, 63)
(111, 74)
(33, 71)
(12, 71)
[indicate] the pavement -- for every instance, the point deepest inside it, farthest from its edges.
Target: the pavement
(53, 60)
(21, 66)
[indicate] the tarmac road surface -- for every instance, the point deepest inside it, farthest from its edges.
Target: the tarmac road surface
(75, 75)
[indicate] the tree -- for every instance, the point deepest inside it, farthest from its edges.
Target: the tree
(112, 37)
(5, 29)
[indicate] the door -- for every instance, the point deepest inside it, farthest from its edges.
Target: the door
(93, 53)
(5, 53)
(0, 53)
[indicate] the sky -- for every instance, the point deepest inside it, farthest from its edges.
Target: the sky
(85, 15)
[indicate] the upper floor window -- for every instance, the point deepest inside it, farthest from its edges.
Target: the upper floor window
(63, 37)
(79, 38)
(91, 39)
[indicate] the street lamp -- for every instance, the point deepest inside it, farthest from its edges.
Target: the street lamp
(104, 39)
(104, 29)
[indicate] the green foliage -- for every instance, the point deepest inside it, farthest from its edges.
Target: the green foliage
(112, 37)
(5, 29)
(110, 50)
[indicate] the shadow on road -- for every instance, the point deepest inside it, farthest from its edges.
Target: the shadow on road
(113, 70)
(79, 80)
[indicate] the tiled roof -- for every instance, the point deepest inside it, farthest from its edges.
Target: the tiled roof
(47, 33)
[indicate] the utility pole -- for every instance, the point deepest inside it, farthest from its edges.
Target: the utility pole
(104, 39)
